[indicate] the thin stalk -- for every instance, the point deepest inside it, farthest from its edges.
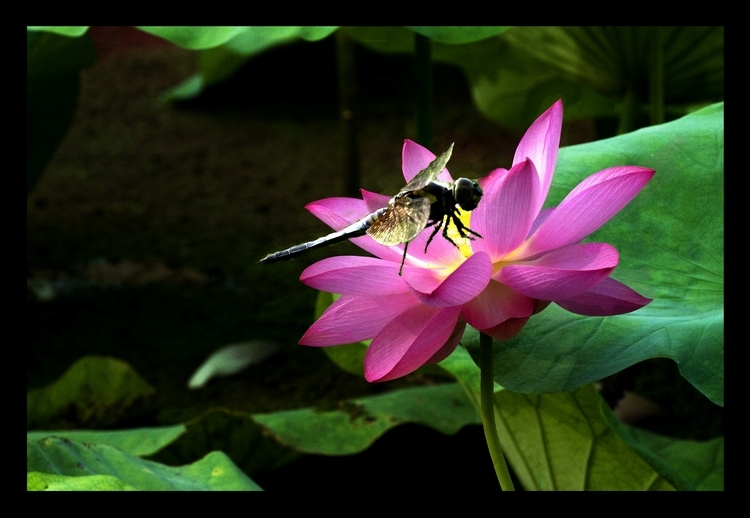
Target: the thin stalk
(487, 385)
(423, 82)
(656, 75)
(348, 107)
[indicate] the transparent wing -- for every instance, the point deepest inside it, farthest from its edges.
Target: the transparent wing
(401, 222)
(429, 173)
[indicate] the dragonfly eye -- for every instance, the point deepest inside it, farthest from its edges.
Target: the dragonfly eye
(467, 193)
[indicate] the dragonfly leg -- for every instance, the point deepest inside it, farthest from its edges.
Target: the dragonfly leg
(463, 230)
(437, 226)
(406, 245)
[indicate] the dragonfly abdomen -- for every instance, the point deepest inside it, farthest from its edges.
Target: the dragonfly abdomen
(356, 229)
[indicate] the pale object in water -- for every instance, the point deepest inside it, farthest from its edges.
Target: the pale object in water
(231, 360)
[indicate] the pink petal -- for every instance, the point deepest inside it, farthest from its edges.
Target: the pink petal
(541, 218)
(354, 275)
(496, 304)
(374, 201)
(588, 207)
(507, 210)
(352, 319)
(414, 158)
(609, 297)
(465, 283)
(339, 212)
(450, 345)
(408, 341)
(540, 145)
(563, 273)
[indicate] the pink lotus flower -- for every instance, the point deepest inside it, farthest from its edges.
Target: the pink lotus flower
(526, 259)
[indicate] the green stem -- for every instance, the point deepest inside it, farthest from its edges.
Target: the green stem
(487, 386)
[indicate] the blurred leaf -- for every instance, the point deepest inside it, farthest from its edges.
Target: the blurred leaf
(94, 391)
(562, 442)
(261, 442)
(56, 463)
(219, 62)
(53, 63)
(63, 31)
(611, 59)
(196, 37)
(458, 34)
(36, 481)
(688, 465)
(355, 424)
(235, 433)
(516, 74)
(138, 441)
(671, 244)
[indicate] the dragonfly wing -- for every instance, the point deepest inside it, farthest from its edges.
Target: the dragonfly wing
(402, 221)
(429, 173)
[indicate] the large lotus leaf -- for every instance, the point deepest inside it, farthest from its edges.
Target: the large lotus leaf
(53, 63)
(562, 442)
(671, 244)
(94, 391)
(55, 463)
(137, 441)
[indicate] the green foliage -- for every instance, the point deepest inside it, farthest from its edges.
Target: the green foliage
(139, 442)
(614, 59)
(79, 30)
(255, 442)
(55, 463)
(458, 35)
(262, 442)
(517, 73)
(95, 391)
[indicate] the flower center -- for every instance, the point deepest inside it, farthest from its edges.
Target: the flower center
(464, 243)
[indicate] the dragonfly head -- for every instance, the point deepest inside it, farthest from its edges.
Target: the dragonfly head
(467, 193)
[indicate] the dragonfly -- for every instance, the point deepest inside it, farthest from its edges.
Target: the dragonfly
(423, 202)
